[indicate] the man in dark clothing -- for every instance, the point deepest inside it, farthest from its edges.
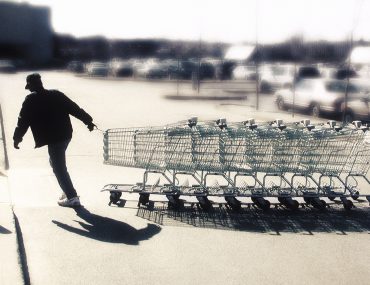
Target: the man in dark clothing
(47, 112)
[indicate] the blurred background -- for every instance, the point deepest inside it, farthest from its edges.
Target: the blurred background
(284, 48)
(222, 33)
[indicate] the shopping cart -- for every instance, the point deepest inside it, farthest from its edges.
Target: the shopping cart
(247, 156)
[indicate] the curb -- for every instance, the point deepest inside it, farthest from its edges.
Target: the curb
(3, 138)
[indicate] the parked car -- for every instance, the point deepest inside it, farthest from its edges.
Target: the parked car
(121, 68)
(358, 108)
(207, 71)
(7, 66)
(157, 71)
(308, 72)
(181, 69)
(244, 72)
(363, 71)
(97, 69)
(76, 66)
(142, 68)
(318, 96)
(273, 77)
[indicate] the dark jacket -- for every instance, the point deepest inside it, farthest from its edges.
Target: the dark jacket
(47, 113)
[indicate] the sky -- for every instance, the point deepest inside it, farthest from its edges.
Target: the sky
(233, 21)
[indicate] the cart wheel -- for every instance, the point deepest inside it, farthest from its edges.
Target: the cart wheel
(355, 195)
(266, 205)
(308, 200)
(115, 196)
(150, 205)
(318, 204)
(281, 200)
(263, 203)
(348, 205)
(293, 205)
(331, 198)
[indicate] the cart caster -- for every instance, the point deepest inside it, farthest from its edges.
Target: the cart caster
(355, 195)
(114, 197)
(234, 203)
(308, 200)
(143, 199)
(261, 203)
(293, 205)
(204, 203)
(174, 203)
(318, 204)
(347, 204)
(289, 203)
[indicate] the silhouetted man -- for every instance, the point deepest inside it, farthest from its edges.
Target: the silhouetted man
(47, 112)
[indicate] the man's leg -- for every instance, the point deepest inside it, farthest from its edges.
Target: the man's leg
(57, 154)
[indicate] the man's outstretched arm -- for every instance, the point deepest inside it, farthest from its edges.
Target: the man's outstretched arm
(78, 112)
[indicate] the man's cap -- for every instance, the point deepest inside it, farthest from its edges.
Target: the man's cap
(33, 78)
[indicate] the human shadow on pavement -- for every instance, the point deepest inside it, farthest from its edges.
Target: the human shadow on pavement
(306, 220)
(108, 230)
(4, 230)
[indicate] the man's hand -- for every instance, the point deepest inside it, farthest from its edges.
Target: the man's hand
(91, 126)
(16, 145)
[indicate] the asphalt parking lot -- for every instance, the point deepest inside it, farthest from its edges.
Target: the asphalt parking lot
(99, 244)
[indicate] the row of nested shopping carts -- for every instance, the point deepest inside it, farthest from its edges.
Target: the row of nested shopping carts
(271, 159)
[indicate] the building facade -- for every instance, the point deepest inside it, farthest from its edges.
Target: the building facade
(25, 33)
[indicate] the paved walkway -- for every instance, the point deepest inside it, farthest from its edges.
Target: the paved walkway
(99, 244)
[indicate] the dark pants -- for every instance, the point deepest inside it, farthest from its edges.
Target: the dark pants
(57, 154)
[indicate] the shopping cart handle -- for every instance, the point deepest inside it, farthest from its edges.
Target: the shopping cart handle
(310, 127)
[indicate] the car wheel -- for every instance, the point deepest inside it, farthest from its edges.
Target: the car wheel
(315, 110)
(280, 104)
(348, 118)
(264, 87)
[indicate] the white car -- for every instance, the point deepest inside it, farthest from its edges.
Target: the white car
(96, 68)
(244, 72)
(358, 108)
(318, 95)
(273, 77)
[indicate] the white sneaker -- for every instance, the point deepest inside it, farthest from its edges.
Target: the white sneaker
(62, 197)
(73, 202)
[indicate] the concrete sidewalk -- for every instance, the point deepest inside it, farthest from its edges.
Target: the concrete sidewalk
(99, 244)
(10, 269)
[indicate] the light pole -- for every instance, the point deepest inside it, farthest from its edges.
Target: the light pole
(256, 60)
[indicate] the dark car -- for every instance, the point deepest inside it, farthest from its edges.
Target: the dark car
(76, 66)
(123, 70)
(343, 73)
(207, 71)
(308, 72)
(181, 69)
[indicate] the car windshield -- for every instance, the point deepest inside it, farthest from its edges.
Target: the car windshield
(308, 72)
(305, 85)
(279, 70)
(341, 87)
